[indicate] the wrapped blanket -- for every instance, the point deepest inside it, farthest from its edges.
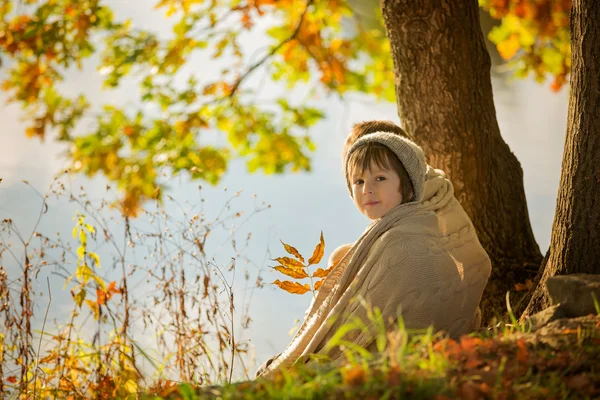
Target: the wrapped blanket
(422, 261)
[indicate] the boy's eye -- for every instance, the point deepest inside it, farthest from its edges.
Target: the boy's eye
(358, 182)
(380, 178)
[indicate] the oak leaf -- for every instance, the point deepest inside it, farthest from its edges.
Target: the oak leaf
(318, 252)
(292, 287)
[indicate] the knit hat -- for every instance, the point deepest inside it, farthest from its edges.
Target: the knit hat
(409, 153)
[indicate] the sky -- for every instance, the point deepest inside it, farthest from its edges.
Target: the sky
(532, 121)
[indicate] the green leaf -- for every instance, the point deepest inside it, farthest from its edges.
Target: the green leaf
(80, 297)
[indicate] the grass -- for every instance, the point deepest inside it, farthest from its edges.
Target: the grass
(505, 364)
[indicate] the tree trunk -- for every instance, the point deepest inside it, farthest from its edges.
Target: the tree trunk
(575, 241)
(445, 102)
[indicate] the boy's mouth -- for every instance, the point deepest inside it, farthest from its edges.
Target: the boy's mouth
(371, 203)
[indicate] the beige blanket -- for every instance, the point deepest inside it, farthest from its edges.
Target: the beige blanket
(422, 261)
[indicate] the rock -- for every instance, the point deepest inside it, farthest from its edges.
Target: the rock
(544, 317)
(575, 292)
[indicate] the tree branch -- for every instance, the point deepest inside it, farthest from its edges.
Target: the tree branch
(271, 53)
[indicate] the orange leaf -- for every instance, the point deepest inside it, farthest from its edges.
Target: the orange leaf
(354, 376)
(522, 353)
(292, 287)
(509, 47)
(318, 284)
(524, 286)
(12, 379)
(292, 272)
(289, 263)
(322, 273)
(292, 250)
(112, 288)
(318, 253)
(101, 297)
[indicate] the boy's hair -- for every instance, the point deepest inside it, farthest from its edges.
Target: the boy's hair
(383, 157)
(361, 129)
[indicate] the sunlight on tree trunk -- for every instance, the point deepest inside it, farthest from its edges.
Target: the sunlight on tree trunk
(575, 241)
(445, 102)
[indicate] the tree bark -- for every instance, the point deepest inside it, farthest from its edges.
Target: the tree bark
(445, 102)
(575, 240)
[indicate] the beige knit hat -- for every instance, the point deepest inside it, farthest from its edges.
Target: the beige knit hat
(408, 152)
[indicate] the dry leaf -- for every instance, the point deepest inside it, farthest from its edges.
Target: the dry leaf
(292, 272)
(292, 287)
(354, 376)
(292, 250)
(318, 284)
(318, 253)
(578, 382)
(524, 286)
(289, 263)
(322, 273)
(522, 353)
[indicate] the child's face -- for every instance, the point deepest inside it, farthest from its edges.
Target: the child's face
(376, 190)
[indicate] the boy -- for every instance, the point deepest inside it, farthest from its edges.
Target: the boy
(419, 259)
(359, 130)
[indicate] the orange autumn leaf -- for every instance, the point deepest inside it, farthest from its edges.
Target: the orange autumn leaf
(318, 252)
(318, 284)
(293, 251)
(292, 272)
(12, 379)
(289, 263)
(101, 297)
(292, 287)
(509, 47)
(522, 353)
(524, 286)
(354, 376)
(322, 273)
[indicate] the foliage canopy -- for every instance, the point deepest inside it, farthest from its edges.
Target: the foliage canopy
(187, 120)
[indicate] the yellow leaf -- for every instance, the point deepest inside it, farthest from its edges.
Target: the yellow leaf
(319, 283)
(95, 257)
(292, 250)
(292, 287)
(131, 386)
(79, 297)
(94, 307)
(30, 132)
(90, 228)
(318, 253)
(322, 273)
(83, 273)
(100, 282)
(80, 251)
(292, 272)
(82, 237)
(289, 263)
